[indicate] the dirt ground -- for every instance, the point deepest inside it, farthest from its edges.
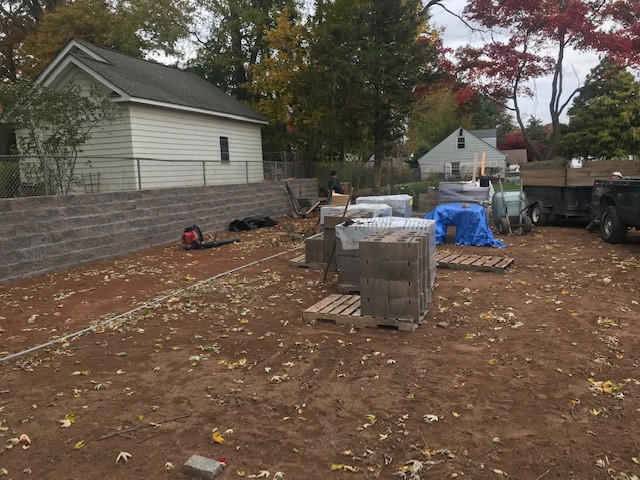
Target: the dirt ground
(533, 374)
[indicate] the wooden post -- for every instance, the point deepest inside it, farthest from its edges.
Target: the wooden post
(475, 166)
(484, 159)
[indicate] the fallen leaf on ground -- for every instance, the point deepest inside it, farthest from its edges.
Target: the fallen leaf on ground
(263, 474)
(123, 456)
(65, 423)
(79, 445)
(168, 466)
(431, 418)
(3, 472)
(217, 437)
(346, 468)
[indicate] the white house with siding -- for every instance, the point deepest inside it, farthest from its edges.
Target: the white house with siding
(176, 129)
(454, 156)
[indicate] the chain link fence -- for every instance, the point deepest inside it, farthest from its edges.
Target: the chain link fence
(25, 176)
(41, 175)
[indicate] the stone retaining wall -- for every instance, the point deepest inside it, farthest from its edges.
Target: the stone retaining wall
(42, 234)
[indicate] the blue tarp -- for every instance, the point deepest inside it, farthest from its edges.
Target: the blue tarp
(470, 222)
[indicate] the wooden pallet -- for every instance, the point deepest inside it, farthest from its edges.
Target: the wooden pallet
(345, 310)
(458, 261)
(300, 263)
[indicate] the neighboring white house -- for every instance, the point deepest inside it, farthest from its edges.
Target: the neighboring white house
(454, 156)
(176, 128)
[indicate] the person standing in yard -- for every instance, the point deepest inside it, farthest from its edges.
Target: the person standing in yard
(616, 176)
(334, 185)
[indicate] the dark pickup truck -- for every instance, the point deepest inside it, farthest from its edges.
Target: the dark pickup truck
(615, 204)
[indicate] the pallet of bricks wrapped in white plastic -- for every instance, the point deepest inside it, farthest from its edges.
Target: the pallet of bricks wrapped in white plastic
(393, 268)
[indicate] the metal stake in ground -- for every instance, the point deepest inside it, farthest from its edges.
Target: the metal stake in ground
(333, 248)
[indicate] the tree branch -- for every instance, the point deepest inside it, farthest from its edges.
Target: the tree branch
(459, 17)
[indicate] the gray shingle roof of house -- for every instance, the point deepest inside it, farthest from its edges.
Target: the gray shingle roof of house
(488, 133)
(153, 81)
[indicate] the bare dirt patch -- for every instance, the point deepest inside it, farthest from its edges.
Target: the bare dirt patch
(533, 374)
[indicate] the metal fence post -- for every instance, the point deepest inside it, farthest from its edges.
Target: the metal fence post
(204, 174)
(139, 177)
(246, 169)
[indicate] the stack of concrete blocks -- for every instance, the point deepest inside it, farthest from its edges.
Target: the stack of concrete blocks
(314, 248)
(397, 275)
(318, 247)
(401, 205)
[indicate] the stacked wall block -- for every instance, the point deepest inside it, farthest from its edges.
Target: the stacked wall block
(397, 275)
(349, 257)
(348, 268)
(314, 249)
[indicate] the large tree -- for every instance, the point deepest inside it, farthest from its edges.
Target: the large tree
(604, 120)
(18, 18)
(529, 40)
(34, 30)
(371, 65)
(234, 41)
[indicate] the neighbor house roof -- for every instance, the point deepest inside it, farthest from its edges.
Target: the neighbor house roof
(143, 81)
(488, 133)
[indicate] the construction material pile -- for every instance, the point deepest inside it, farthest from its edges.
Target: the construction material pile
(391, 262)
(401, 205)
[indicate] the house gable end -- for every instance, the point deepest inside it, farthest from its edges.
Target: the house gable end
(447, 150)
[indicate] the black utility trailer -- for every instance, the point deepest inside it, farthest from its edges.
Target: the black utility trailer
(549, 203)
(557, 192)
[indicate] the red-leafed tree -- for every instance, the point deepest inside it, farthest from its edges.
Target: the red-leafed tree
(529, 39)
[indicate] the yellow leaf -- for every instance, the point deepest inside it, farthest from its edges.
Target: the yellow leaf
(71, 417)
(410, 396)
(492, 361)
(618, 356)
(243, 321)
(337, 466)
(564, 292)
(595, 411)
(140, 417)
(158, 346)
(79, 445)
(217, 437)
(240, 473)
(455, 414)
(349, 468)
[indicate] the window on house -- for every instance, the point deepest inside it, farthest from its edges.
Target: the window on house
(455, 167)
(461, 142)
(224, 149)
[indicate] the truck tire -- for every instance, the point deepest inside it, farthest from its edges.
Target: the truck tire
(538, 216)
(526, 224)
(612, 229)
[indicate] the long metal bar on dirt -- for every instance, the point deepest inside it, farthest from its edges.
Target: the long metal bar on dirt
(146, 305)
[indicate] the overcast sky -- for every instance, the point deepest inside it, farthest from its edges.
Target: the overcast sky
(457, 34)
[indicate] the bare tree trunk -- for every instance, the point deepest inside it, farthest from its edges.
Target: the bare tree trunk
(378, 155)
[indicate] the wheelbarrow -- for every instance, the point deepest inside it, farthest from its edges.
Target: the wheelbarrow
(510, 210)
